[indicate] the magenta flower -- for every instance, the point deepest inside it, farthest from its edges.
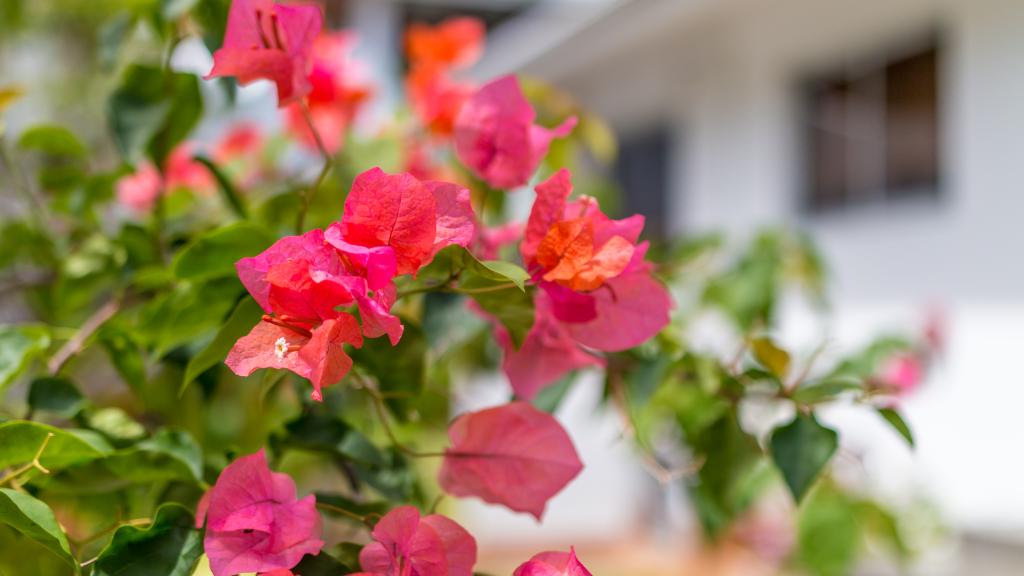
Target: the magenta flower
(495, 136)
(254, 521)
(270, 41)
(596, 289)
(409, 545)
(553, 564)
(140, 190)
(403, 218)
(902, 373)
(300, 282)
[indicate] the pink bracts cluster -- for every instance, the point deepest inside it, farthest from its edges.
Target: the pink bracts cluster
(392, 224)
(255, 522)
(595, 289)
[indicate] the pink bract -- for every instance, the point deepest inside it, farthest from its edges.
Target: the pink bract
(423, 546)
(266, 40)
(514, 455)
(903, 373)
(255, 522)
(415, 219)
(553, 564)
(496, 138)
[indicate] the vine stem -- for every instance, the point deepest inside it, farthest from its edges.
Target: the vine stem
(342, 511)
(656, 469)
(378, 404)
(35, 463)
(76, 343)
(307, 194)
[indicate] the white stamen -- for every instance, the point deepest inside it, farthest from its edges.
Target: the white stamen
(280, 348)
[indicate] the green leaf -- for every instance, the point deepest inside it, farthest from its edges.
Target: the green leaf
(898, 423)
(730, 456)
(169, 456)
(319, 431)
(19, 345)
(20, 440)
(152, 111)
(825, 390)
(801, 449)
(57, 395)
(34, 519)
(52, 140)
(769, 355)
(323, 564)
(170, 546)
(188, 314)
(828, 536)
(246, 315)
(213, 254)
(227, 189)
(124, 353)
(116, 424)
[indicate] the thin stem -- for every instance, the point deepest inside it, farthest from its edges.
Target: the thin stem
(378, 404)
(77, 342)
(33, 464)
(495, 288)
(808, 366)
(307, 194)
(342, 511)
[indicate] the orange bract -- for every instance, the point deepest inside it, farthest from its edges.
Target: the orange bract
(456, 42)
(567, 253)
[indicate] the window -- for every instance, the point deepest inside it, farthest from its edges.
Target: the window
(873, 132)
(642, 170)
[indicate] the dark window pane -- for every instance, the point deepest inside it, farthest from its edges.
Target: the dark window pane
(642, 170)
(912, 130)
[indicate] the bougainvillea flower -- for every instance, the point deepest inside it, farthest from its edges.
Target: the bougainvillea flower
(254, 520)
(241, 140)
(270, 41)
(596, 291)
(514, 455)
(309, 247)
(339, 90)
(553, 564)
(406, 544)
(313, 352)
(454, 43)
(436, 98)
(490, 241)
(548, 352)
(495, 136)
(415, 219)
(140, 190)
(902, 373)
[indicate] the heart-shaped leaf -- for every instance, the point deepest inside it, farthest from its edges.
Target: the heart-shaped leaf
(801, 449)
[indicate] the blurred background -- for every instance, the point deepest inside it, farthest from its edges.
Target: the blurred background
(890, 131)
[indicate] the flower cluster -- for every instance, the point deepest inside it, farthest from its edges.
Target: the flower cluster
(393, 224)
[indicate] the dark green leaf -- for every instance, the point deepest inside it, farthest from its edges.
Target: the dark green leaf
(246, 315)
(898, 423)
(372, 509)
(227, 189)
(170, 546)
(125, 354)
(19, 345)
(187, 314)
(20, 440)
(34, 519)
(52, 140)
(801, 449)
(770, 356)
(57, 395)
(730, 456)
(213, 254)
(152, 111)
(323, 564)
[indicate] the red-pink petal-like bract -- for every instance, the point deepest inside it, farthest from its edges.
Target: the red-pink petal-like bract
(270, 41)
(495, 136)
(553, 564)
(514, 455)
(255, 522)
(407, 544)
